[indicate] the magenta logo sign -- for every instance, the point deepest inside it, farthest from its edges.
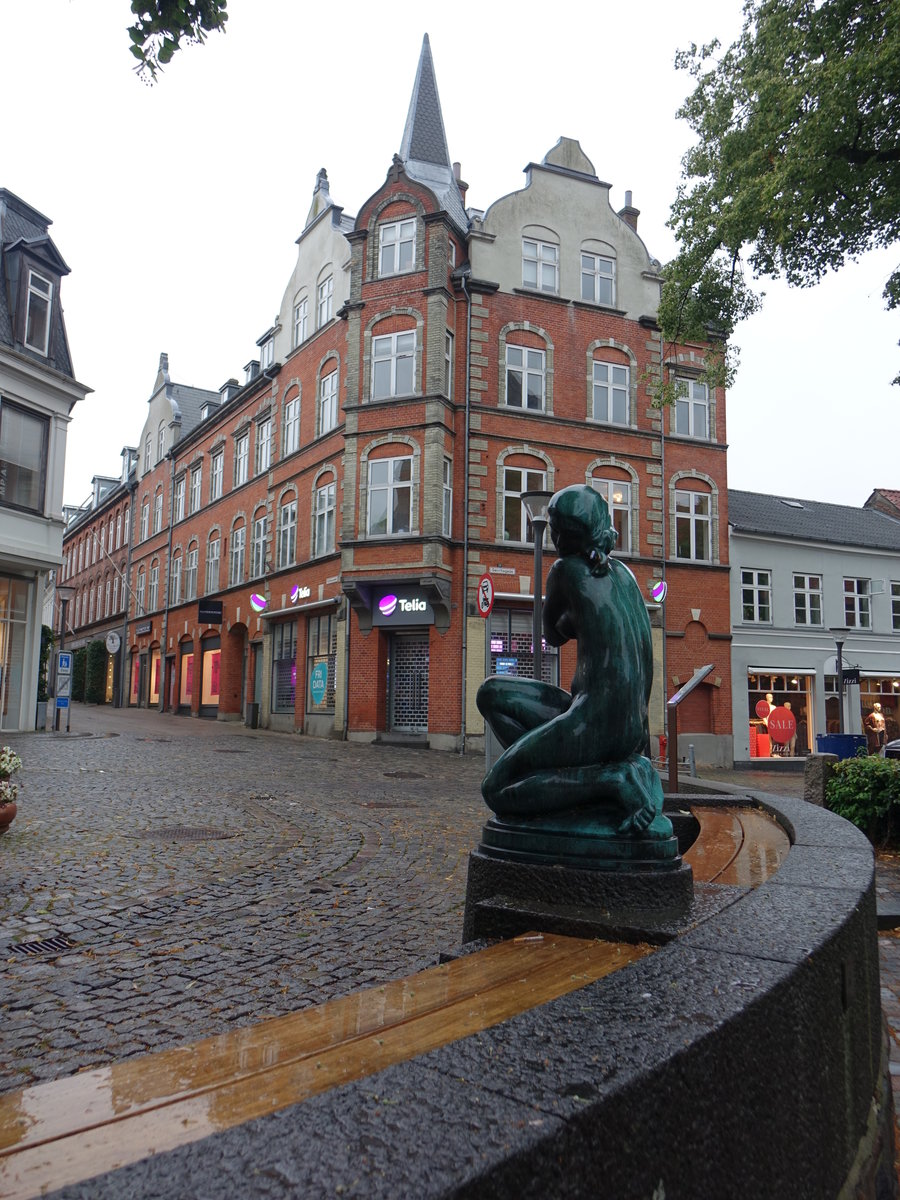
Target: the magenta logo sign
(387, 605)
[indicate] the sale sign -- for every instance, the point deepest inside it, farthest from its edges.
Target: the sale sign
(763, 708)
(782, 725)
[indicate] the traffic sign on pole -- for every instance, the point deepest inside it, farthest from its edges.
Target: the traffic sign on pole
(485, 599)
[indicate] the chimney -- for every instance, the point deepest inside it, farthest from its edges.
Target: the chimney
(629, 213)
(463, 187)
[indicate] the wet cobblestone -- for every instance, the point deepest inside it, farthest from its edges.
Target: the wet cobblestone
(343, 865)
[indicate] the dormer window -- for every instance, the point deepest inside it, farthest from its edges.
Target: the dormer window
(267, 354)
(397, 248)
(37, 313)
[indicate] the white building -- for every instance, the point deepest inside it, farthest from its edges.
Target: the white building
(805, 576)
(38, 391)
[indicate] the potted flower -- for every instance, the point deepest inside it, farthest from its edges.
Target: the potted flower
(10, 762)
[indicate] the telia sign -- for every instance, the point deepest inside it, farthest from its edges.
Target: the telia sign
(402, 606)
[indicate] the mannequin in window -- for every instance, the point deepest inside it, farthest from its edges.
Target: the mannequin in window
(874, 724)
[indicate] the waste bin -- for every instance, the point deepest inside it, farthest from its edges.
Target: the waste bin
(252, 718)
(844, 745)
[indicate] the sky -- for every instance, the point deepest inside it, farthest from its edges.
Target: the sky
(177, 205)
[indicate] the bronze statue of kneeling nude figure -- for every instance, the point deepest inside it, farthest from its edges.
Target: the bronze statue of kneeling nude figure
(575, 775)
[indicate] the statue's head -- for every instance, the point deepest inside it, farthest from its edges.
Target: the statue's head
(580, 524)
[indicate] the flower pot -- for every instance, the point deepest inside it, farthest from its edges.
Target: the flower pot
(7, 814)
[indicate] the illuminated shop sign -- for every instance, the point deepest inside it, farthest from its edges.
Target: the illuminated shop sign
(258, 603)
(299, 593)
(401, 606)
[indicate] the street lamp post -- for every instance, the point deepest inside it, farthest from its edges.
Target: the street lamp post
(536, 506)
(65, 592)
(838, 635)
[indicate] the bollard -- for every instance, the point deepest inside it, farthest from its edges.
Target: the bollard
(692, 764)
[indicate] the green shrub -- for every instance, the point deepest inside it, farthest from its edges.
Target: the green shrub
(48, 640)
(866, 790)
(95, 673)
(79, 663)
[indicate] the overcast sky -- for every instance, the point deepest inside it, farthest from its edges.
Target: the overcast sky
(177, 206)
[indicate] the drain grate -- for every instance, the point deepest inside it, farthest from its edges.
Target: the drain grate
(182, 833)
(45, 947)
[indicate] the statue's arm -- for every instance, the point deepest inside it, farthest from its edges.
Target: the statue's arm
(557, 620)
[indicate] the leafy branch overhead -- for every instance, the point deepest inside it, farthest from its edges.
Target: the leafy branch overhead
(796, 166)
(160, 25)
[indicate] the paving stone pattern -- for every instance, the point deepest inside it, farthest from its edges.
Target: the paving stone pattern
(341, 866)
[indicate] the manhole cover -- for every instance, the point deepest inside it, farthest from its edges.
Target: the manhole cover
(404, 775)
(182, 833)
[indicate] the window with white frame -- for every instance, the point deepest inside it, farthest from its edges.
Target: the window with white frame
(179, 498)
(301, 320)
(611, 393)
(451, 253)
(158, 511)
(148, 452)
(91, 608)
(196, 484)
(216, 471)
(692, 408)
(895, 606)
(37, 313)
(80, 556)
(323, 541)
(516, 480)
(397, 247)
(287, 533)
(291, 440)
(115, 600)
(525, 377)
(119, 530)
(390, 495)
(328, 402)
(263, 445)
(756, 596)
(266, 353)
(153, 587)
(241, 458)
(598, 279)
(102, 541)
(139, 593)
(617, 494)
(126, 529)
(190, 574)
(692, 525)
(238, 553)
(807, 599)
(447, 499)
(258, 547)
(212, 564)
(161, 443)
(107, 598)
(540, 265)
(324, 301)
(145, 520)
(175, 589)
(76, 620)
(393, 365)
(448, 363)
(857, 613)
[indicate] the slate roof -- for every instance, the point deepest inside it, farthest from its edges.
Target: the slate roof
(424, 145)
(189, 402)
(812, 521)
(23, 228)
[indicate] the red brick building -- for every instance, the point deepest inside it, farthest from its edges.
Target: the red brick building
(429, 364)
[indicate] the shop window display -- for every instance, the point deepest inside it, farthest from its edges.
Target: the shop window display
(780, 707)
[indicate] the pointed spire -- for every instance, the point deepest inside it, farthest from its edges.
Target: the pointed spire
(321, 197)
(424, 145)
(424, 138)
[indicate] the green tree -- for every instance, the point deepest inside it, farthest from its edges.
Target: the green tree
(79, 667)
(95, 673)
(796, 166)
(160, 25)
(48, 641)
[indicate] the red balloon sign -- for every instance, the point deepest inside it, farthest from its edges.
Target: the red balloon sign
(782, 725)
(763, 708)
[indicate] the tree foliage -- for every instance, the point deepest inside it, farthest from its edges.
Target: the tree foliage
(95, 673)
(796, 166)
(160, 25)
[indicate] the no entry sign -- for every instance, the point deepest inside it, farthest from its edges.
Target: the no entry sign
(485, 598)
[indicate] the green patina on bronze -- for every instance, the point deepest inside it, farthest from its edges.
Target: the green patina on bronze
(575, 764)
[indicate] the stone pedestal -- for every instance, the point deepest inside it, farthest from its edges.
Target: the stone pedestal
(517, 883)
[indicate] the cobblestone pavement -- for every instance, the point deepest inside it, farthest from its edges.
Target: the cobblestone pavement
(208, 875)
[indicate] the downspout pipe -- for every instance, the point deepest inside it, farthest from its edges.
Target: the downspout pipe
(465, 571)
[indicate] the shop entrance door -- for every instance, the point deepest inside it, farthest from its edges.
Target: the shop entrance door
(408, 683)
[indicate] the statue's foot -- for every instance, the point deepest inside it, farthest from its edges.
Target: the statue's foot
(638, 822)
